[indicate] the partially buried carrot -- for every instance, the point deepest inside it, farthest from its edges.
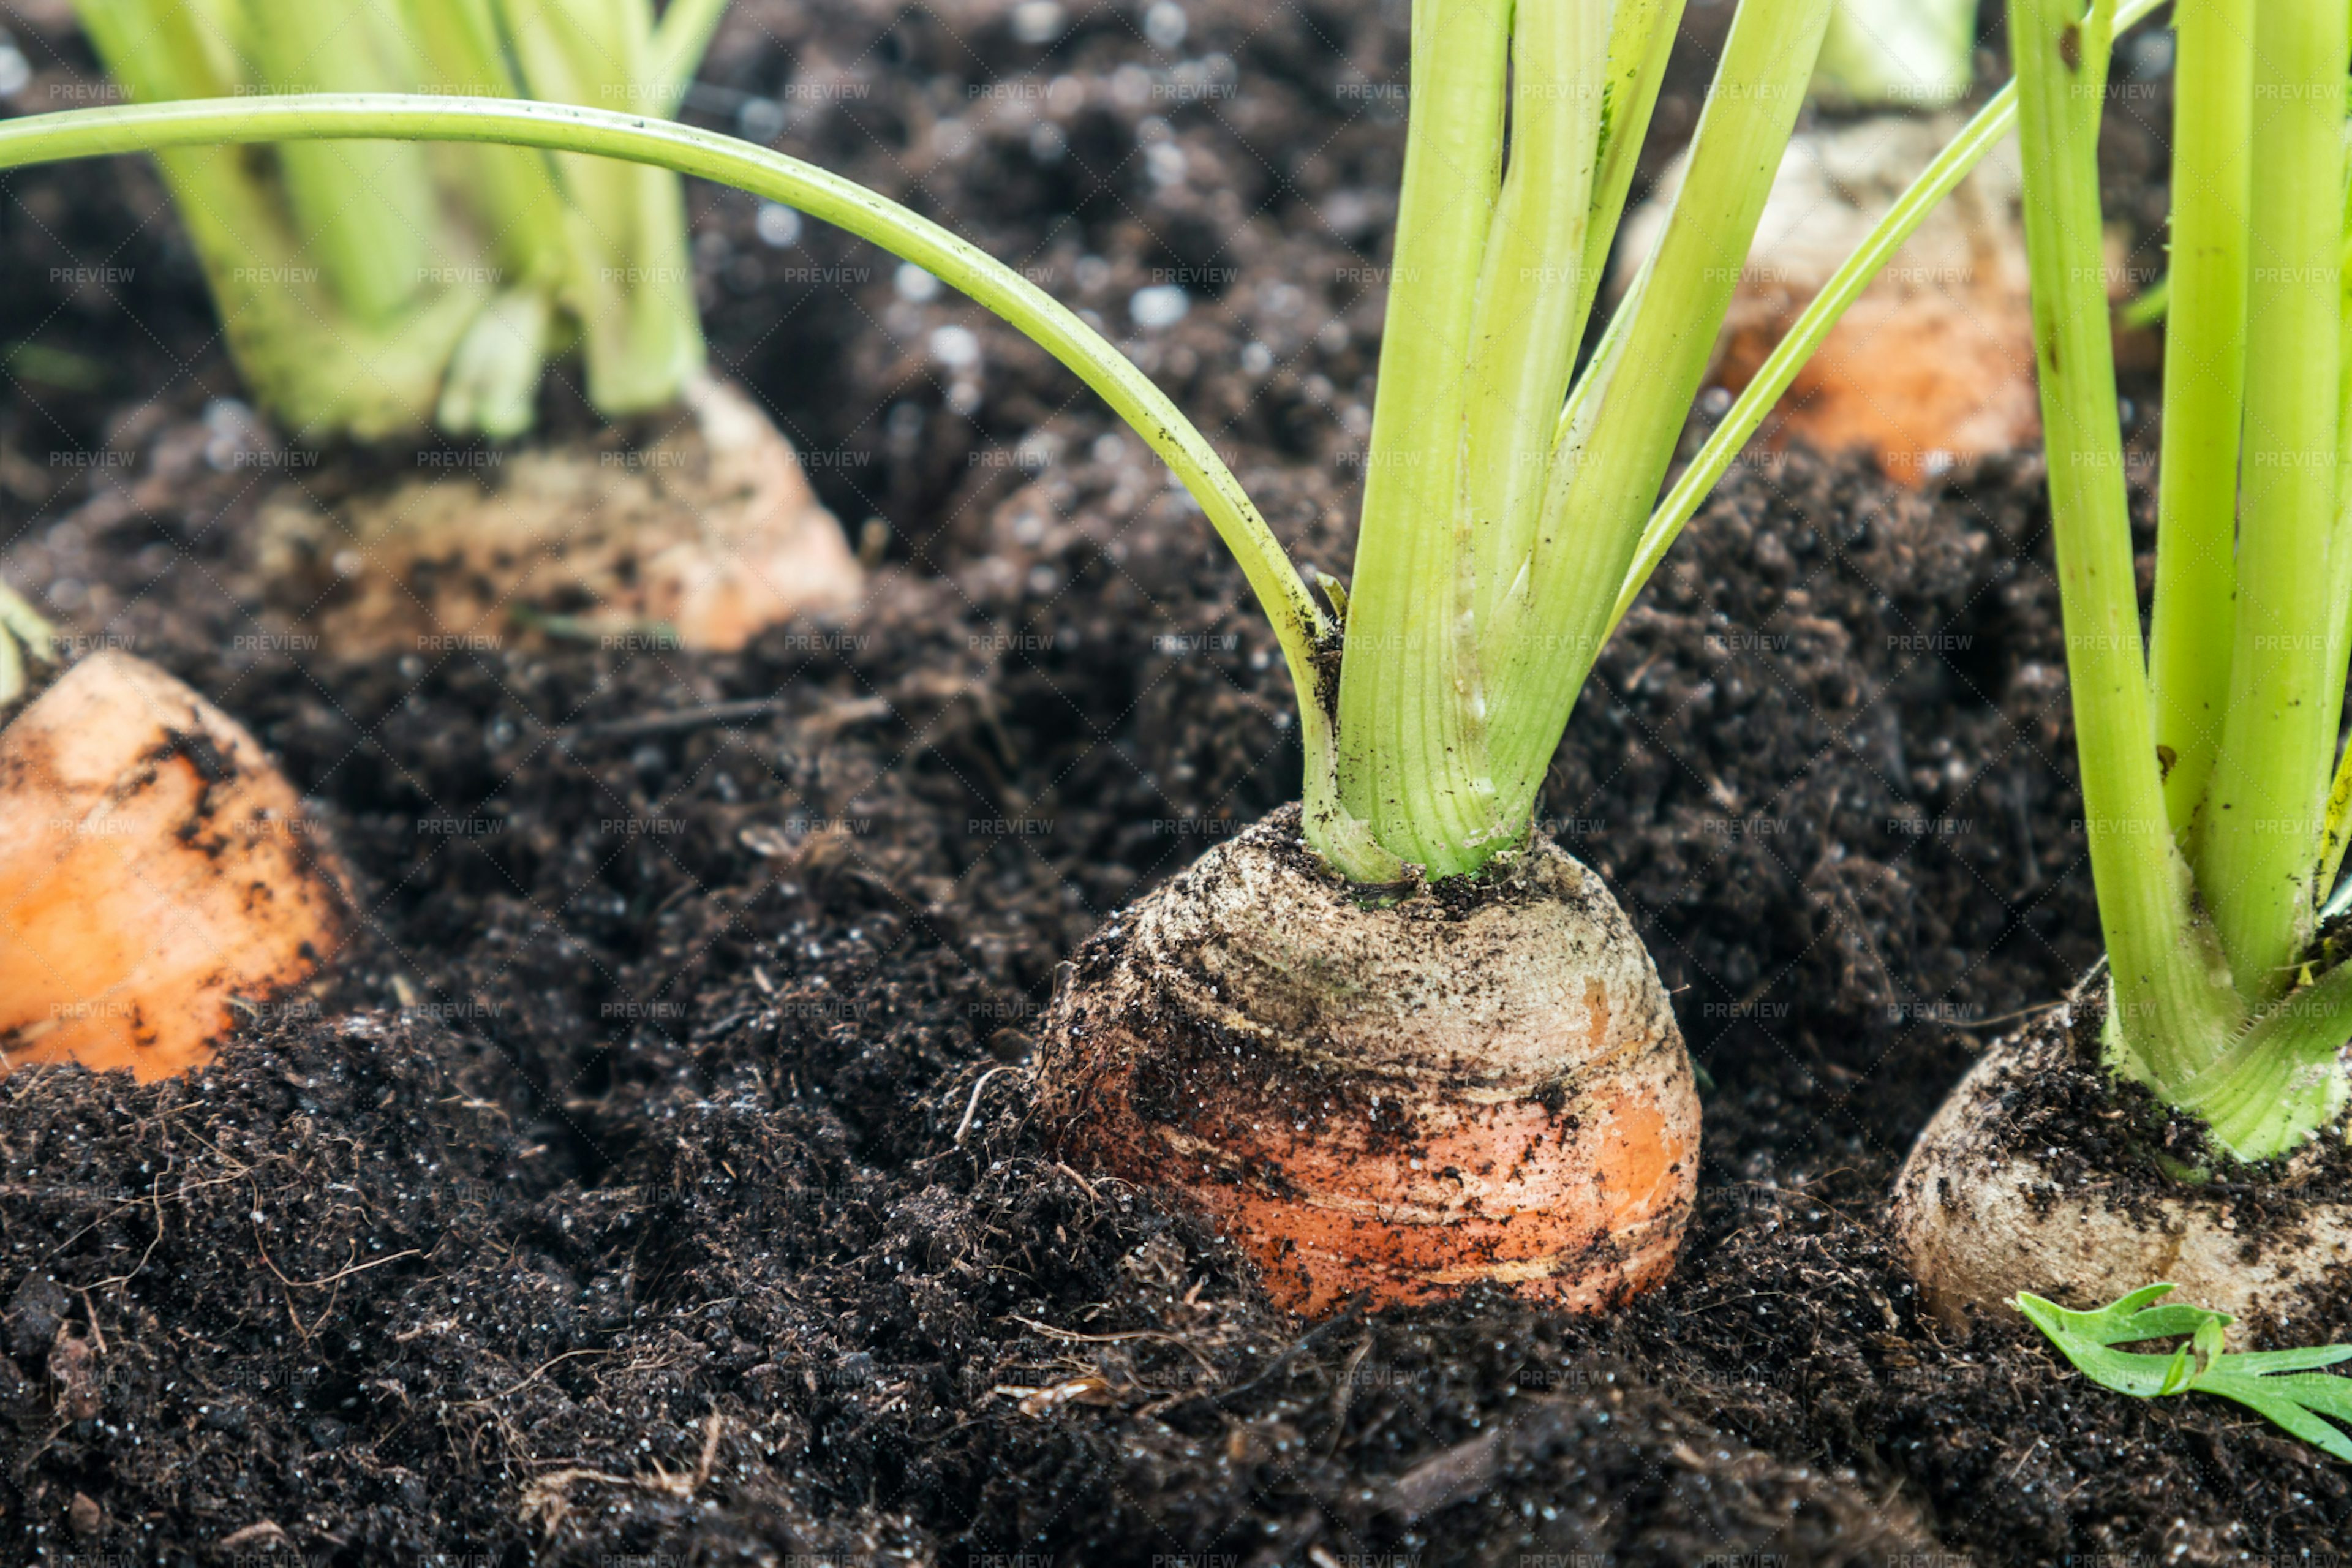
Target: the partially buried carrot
(1387, 1101)
(155, 869)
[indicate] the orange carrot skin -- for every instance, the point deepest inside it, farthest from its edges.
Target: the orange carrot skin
(155, 870)
(1524, 1117)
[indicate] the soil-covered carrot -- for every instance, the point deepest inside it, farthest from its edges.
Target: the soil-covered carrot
(156, 873)
(1393, 1100)
(2215, 836)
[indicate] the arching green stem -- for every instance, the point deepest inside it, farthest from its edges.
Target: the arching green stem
(1299, 626)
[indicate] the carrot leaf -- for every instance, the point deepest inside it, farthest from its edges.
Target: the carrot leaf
(2285, 1387)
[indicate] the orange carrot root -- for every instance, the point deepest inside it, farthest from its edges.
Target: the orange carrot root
(153, 867)
(1387, 1104)
(711, 535)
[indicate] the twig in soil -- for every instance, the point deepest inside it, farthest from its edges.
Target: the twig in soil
(2034, 1012)
(1071, 1336)
(292, 1285)
(155, 1200)
(2011, 1478)
(1343, 1393)
(710, 1432)
(546, 1498)
(529, 1378)
(1091, 1389)
(971, 1108)
(347, 1273)
(838, 717)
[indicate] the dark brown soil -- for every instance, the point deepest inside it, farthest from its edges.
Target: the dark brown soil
(607, 1204)
(2136, 1143)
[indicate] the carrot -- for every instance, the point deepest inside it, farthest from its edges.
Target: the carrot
(155, 866)
(1998, 1196)
(707, 537)
(1481, 1085)
(2217, 795)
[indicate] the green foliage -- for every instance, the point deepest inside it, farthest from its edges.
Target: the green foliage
(1509, 509)
(1503, 505)
(366, 287)
(2215, 835)
(2282, 1386)
(1914, 54)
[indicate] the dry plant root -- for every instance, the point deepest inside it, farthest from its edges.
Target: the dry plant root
(1469, 1086)
(155, 869)
(706, 538)
(1996, 1199)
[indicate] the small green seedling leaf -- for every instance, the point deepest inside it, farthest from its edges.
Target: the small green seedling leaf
(2285, 1387)
(591, 628)
(22, 632)
(2177, 1377)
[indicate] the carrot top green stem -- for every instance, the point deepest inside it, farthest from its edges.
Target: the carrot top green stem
(2209, 880)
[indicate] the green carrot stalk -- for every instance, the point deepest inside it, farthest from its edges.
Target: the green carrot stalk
(634, 288)
(2264, 1091)
(2193, 621)
(510, 192)
(1641, 40)
(679, 39)
(2173, 1002)
(1526, 326)
(367, 211)
(307, 356)
(2278, 737)
(1942, 176)
(1918, 53)
(1618, 432)
(1412, 764)
(2336, 822)
(491, 386)
(23, 635)
(369, 286)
